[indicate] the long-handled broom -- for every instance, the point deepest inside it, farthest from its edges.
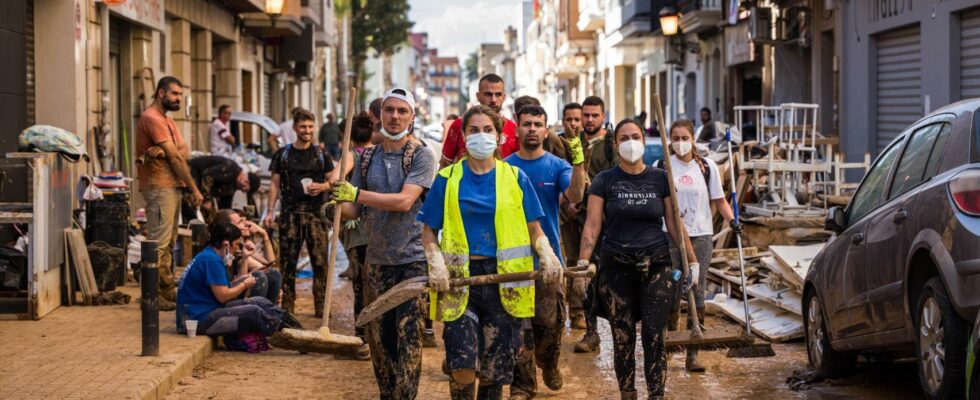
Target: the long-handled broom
(324, 341)
(755, 349)
(693, 338)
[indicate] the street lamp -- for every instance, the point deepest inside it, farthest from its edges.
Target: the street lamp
(273, 8)
(669, 20)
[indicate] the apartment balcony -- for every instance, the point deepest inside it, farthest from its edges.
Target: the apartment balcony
(290, 23)
(591, 15)
(631, 23)
(700, 15)
(244, 6)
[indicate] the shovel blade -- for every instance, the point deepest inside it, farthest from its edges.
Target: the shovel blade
(387, 301)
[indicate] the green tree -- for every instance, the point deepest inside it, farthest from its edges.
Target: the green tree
(472, 65)
(381, 25)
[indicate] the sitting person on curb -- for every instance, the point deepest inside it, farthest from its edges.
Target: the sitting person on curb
(205, 294)
(260, 263)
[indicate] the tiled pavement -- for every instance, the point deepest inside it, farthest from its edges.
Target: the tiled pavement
(93, 352)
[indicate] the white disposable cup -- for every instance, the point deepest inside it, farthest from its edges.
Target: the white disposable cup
(306, 184)
(191, 326)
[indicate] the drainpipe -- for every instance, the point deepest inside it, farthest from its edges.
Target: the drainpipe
(105, 128)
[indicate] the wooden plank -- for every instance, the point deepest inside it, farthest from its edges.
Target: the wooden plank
(8, 217)
(768, 321)
(796, 258)
(787, 274)
(83, 265)
(732, 254)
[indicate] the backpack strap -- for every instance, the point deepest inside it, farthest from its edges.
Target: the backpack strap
(366, 157)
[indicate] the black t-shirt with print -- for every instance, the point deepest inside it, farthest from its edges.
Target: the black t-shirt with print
(310, 163)
(633, 209)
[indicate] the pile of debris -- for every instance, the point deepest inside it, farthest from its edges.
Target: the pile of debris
(786, 180)
(773, 282)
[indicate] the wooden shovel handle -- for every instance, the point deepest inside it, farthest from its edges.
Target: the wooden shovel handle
(582, 271)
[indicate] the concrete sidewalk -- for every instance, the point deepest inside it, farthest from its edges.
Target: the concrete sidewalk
(93, 352)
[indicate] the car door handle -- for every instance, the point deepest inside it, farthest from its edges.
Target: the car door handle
(857, 238)
(900, 217)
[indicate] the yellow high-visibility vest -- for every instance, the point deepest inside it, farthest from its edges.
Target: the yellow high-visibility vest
(513, 245)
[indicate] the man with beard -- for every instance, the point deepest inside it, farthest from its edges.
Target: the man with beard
(300, 220)
(552, 179)
(601, 156)
(491, 94)
(163, 180)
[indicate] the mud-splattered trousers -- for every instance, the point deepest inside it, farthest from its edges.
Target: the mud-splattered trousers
(542, 347)
(295, 228)
(254, 314)
(486, 338)
(637, 288)
(358, 275)
(396, 337)
(703, 247)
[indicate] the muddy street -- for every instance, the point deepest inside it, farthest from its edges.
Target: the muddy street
(288, 375)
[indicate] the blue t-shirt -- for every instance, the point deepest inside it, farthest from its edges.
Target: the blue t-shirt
(195, 300)
(550, 176)
(477, 203)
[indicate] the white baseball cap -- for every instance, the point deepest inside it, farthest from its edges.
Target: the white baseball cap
(400, 94)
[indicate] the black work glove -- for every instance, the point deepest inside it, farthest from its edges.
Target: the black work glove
(736, 227)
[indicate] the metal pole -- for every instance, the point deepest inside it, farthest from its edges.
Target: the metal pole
(149, 295)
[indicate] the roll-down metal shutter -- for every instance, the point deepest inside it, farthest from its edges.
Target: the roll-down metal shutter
(970, 54)
(899, 86)
(31, 88)
(267, 89)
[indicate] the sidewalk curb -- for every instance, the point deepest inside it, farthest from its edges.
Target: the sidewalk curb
(179, 370)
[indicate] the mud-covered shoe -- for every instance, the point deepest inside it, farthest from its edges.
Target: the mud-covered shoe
(578, 322)
(552, 378)
(588, 344)
(363, 353)
(627, 395)
(428, 338)
(518, 395)
(165, 305)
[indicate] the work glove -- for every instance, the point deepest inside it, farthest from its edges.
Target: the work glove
(575, 147)
(550, 266)
(438, 274)
(352, 224)
(580, 285)
(692, 279)
(736, 227)
(344, 192)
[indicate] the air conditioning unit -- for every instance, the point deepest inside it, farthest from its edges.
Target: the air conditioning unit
(759, 24)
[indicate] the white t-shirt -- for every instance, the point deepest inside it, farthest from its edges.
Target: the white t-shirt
(694, 197)
(286, 133)
(218, 132)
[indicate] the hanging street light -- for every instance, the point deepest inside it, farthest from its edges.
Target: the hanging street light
(669, 20)
(273, 8)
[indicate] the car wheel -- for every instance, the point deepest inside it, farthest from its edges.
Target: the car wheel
(828, 362)
(940, 339)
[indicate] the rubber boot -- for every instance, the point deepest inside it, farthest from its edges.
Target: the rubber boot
(588, 344)
(490, 392)
(461, 392)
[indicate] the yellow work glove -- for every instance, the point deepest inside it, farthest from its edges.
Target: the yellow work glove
(344, 192)
(575, 146)
(438, 274)
(548, 263)
(580, 285)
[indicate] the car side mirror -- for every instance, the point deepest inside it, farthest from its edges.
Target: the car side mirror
(835, 220)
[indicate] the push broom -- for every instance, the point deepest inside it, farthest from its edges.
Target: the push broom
(324, 341)
(693, 338)
(752, 350)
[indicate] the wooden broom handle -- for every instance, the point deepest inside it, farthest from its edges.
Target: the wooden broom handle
(692, 312)
(332, 261)
(582, 271)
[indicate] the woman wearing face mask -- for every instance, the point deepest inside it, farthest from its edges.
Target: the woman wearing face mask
(698, 184)
(488, 214)
(634, 283)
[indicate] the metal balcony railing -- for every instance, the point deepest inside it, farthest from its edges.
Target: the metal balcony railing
(685, 6)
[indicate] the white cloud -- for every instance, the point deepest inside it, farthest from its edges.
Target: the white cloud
(458, 27)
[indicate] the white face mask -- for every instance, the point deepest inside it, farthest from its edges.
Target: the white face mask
(228, 258)
(481, 145)
(631, 150)
(681, 148)
(397, 136)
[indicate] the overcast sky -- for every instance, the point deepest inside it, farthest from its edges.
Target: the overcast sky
(457, 27)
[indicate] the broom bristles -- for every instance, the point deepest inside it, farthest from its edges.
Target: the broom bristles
(715, 339)
(757, 350)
